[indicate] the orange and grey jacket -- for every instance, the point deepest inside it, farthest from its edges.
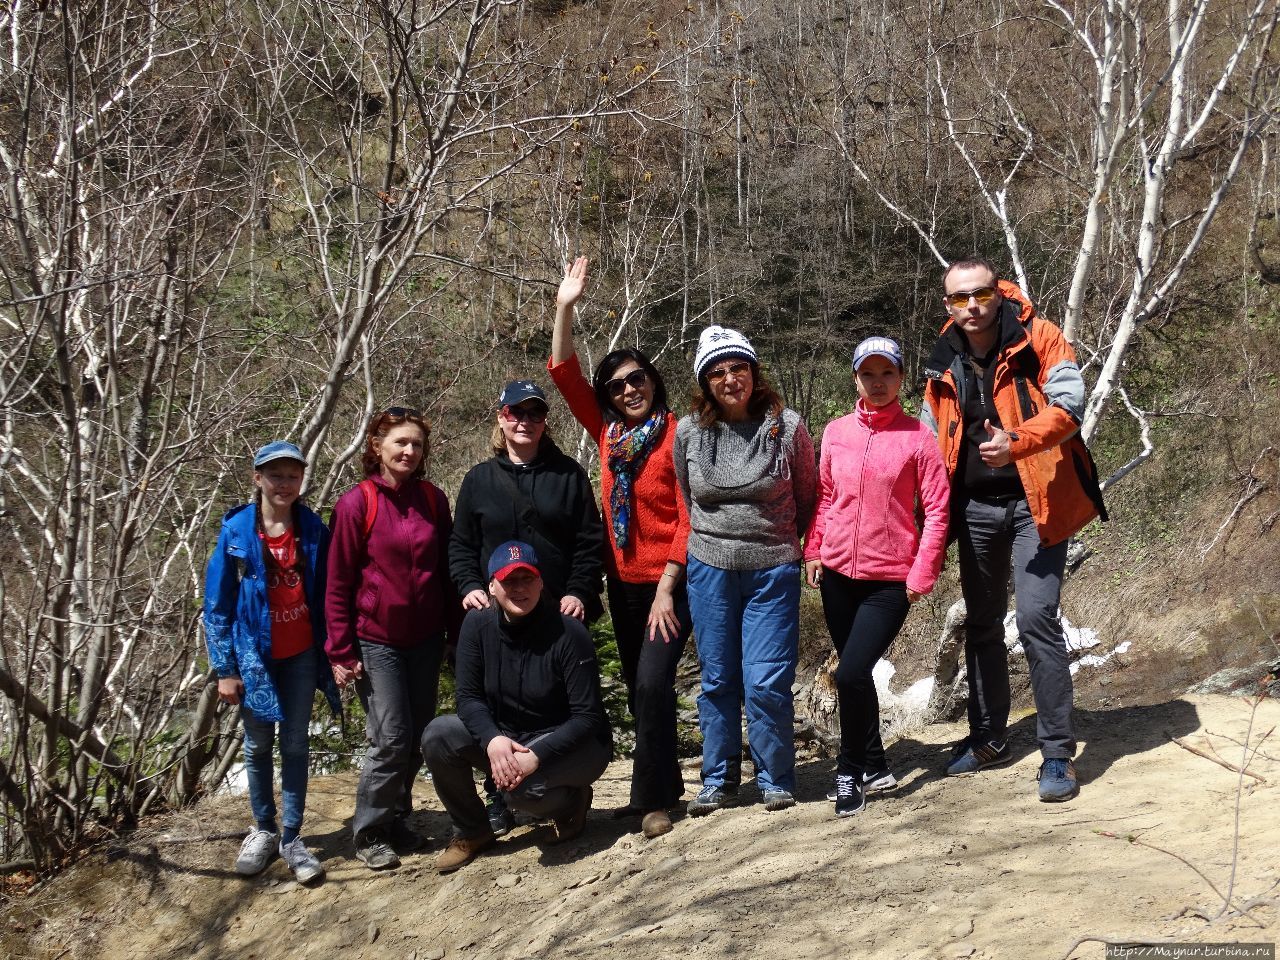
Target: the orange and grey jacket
(1039, 395)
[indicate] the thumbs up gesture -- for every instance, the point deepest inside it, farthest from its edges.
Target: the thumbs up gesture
(995, 452)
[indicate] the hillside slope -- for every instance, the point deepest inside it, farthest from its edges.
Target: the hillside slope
(974, 867)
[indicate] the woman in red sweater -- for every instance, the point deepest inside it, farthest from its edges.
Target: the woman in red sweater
(625, 409)
(867, 556)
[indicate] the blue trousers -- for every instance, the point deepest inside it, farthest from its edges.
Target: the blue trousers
(295, 683)
(747, 627)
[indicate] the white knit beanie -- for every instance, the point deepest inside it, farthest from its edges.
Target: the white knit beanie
(718, 343)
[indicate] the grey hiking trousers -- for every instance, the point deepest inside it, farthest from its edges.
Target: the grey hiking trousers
(451, 753)
(996, 539)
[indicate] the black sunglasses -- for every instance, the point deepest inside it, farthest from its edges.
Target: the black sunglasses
(532, 414)
(402, 413)
(636, 379)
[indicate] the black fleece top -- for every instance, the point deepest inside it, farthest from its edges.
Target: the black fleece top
(975, 382)
(532, 677)
(548, 503)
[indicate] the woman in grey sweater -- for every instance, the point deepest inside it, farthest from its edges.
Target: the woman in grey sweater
(745, 467)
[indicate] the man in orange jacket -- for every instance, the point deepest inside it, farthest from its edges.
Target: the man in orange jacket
(1004, 396)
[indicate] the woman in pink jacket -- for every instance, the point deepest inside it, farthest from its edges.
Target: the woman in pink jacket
(866, 554)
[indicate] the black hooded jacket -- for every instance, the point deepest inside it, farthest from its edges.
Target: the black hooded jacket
(536, 676)
(548, 503)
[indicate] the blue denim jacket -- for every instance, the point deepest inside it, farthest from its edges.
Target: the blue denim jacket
(237, 618)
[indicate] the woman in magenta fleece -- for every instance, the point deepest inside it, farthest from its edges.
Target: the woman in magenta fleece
(391, 609)
(866, 554)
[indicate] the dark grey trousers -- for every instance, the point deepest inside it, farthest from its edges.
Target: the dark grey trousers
(994, 540)
(452, 753)
(398, 692)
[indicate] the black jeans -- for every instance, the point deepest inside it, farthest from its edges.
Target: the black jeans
(996, 539)
(649, 669)
(864, 617)
(451, 753)
(398, 692)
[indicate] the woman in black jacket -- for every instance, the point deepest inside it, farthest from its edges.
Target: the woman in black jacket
(529, 712)
(529, 491)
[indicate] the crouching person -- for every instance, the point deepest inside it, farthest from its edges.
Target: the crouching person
(529, 712)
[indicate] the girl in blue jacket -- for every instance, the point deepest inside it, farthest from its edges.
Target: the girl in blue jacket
(265, 629)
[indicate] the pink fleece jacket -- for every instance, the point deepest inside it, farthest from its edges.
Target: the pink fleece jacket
(875, 463)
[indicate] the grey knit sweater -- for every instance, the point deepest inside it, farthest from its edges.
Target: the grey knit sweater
(750, 487)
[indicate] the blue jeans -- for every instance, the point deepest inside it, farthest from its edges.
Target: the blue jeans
(747, 627)
(295, 683)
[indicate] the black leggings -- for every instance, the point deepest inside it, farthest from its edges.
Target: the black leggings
(864, 617)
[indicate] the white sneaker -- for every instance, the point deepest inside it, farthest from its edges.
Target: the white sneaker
(879, 782)
(258, 850)
(301, 861)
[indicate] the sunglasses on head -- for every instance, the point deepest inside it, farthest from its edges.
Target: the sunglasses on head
(402, 413)
(636, 380)
(520, 414)
(719, 373)
(983, 295)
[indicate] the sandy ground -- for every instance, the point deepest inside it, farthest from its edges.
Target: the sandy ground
(970, 867)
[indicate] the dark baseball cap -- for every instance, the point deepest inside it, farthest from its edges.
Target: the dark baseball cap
(512, 556)
(518, 391)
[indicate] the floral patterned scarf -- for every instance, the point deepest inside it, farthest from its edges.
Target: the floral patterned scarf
(627, 452)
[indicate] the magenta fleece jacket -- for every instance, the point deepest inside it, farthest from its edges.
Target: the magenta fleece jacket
(393, 588)
(874, 464)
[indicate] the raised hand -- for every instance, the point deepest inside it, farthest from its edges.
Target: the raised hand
(574, 283)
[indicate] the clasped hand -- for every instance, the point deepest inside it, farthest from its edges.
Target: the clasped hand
(510, 762)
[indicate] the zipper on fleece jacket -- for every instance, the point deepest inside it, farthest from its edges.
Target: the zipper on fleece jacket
(862, 474)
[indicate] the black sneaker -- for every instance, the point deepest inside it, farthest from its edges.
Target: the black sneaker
(403, 838)
(880, 781)
(501, 820)
(375, 852)
(850, 798)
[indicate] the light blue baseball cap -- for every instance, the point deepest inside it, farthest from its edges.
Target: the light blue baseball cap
(278, 450)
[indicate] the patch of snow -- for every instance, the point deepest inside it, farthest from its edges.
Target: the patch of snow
(1078, 638)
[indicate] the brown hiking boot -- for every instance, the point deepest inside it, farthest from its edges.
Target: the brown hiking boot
(656, 823)
(462, 850)
(569, 825)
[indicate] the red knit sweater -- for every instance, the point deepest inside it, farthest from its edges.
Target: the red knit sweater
(659, 520)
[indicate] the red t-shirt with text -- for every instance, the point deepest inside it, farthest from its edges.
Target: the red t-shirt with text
(287, 598)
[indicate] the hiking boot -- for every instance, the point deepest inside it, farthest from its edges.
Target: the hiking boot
(778, 799)
(403, 838)
(878, 782)
(850, 798)
(711, 798)
(374, 851)
(656, 823)
(571, 823)
(625, 812)
(501, 820)
(970, 757)
(301, 861)
(1057, 780)
(258, 850)
(462, 850)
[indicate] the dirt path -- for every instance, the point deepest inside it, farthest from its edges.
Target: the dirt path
(974, 867)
